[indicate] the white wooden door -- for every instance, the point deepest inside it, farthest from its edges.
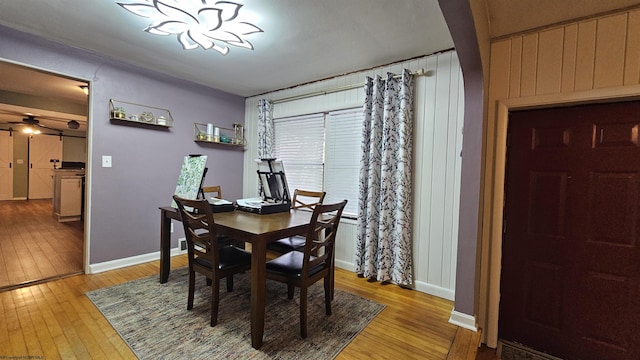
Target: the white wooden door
(42, 149)
(6, 165)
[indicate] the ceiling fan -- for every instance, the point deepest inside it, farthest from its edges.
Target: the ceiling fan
(32, 123)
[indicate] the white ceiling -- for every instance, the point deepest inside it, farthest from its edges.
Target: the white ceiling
(303, 40)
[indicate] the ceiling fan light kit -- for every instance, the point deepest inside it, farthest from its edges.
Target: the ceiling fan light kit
(30, 130)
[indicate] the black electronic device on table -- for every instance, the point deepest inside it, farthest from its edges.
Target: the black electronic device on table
(218, 205)
(274, 190)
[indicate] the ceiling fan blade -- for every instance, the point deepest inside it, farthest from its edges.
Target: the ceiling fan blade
(46, 127)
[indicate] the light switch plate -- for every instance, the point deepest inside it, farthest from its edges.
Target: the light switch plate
(106, 161)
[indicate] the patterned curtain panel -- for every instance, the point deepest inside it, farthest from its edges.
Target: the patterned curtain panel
(265, 129)
(384, 243)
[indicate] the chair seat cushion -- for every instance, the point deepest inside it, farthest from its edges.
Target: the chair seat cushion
(230, 256)
(290, 264)
(295, 242)
(288, 244)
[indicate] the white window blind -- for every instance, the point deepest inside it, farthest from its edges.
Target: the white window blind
(342, 157)
(299, 143)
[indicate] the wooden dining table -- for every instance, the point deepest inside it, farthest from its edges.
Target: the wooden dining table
(255, 229)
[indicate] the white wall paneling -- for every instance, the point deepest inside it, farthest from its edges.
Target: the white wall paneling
(439, 110)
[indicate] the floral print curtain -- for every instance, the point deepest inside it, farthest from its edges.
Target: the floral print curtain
(384, 239)
(265, 129)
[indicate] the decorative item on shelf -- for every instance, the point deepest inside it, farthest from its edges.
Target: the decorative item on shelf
(147, 117)
(216, 134)
(118, 113)
(225, 139)
(238, 134)
(161, 120)
(133, 117)
(209, 132)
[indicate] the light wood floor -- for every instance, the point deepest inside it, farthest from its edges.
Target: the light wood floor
(34, 245)
(56, 320)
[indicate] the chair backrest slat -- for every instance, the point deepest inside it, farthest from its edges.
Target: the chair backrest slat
(199, 228)
(321, 237)
(213, 189)
(306, 199)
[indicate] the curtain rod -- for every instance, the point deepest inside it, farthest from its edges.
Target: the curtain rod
(420, 72)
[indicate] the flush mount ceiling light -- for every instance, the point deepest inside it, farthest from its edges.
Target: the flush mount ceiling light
(196, 23)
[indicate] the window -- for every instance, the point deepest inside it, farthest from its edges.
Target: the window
(322, 152)
(299, 143)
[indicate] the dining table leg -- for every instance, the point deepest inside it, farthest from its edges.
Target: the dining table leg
(258, 291)
(165, 244)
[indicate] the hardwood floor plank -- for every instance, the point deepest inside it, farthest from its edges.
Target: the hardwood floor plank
(16, 337)
(29, 331)
(48, 346)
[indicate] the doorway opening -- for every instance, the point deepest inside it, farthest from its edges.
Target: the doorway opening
(43, 132)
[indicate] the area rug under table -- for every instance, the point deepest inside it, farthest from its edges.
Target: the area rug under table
(154, 321)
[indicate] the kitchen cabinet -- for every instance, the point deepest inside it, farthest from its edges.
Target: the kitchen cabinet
(68, 194)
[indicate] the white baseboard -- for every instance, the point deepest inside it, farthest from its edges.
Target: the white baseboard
(345, 265)
(435, 290)
(420, 286)
(134, 260)
(463, 320)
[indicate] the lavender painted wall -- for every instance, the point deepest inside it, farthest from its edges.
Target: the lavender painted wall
(124, 199)
(458, 16)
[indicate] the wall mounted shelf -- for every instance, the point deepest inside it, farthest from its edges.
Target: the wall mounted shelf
(130, 113)
(209, 133)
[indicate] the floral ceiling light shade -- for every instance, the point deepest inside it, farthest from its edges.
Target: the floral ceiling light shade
(196, 22)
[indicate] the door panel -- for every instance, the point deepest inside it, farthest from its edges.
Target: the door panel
(6, 166)
(571, 263)
(42, 149)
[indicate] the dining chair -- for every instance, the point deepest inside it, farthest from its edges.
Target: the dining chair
(217, 189)
(302, 269)
(302, 199)
(205, 254)
(216, 192)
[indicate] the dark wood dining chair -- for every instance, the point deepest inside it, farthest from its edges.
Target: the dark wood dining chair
(302, 269)
(216, 189)
(205, 254)
(302, 199)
